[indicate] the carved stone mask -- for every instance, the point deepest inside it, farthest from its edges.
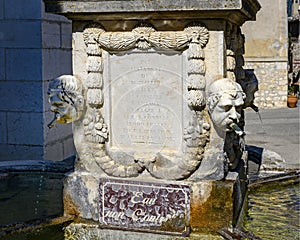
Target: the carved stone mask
(225, 102)
(65, 97)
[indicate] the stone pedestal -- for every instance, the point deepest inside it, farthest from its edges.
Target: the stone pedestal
(150, 159)
(163, 207)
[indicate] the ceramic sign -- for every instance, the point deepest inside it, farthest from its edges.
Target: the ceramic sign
(142, 206)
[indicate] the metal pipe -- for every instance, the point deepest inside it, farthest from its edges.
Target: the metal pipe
(53, 122)
(237, 129)
(255, 108)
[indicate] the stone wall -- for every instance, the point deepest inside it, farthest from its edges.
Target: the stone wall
(295, 56)
(266, 51)
(34, 48)
(272, 83)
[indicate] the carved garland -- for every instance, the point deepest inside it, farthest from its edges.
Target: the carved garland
(194, 37)
(234, 54)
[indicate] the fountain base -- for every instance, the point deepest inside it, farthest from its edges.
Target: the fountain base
(130, 207)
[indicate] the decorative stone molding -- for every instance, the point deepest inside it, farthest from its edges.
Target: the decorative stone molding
(235, 49)
(194, 37)
(231, 64)
(94, 127)
(240, 62)
(143, 37)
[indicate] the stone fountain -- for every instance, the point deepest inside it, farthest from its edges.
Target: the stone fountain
(156, 101)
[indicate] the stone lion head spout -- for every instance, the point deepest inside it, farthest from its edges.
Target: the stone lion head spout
(66, 99)
(225, 101)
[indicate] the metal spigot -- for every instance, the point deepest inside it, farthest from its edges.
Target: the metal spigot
(255, 108)
(237, 129)
(53, 122)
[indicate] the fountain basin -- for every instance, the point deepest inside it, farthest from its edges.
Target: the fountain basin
(273, 212)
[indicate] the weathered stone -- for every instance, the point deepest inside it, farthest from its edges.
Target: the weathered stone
(145, 127)
(93, 232)
(141, 206)
(240, 11)
(211, 206)
(206, 206)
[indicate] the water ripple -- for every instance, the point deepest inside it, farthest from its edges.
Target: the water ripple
(274, 213)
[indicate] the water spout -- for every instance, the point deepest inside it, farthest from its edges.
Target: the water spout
(255, 108)
(237, 129)
(53, 122)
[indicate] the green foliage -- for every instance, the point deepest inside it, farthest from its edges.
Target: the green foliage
(291, 90)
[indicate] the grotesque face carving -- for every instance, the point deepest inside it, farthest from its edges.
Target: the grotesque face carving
(65, 97)
(225, 102)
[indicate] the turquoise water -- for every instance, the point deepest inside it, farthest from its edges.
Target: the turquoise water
(274, 211)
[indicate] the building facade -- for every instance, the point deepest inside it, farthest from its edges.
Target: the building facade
(293, 29)
(266, 51)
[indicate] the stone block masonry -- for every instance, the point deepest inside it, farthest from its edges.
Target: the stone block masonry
(266, 51)
(272, 78)
(2, 67)
(35, 47)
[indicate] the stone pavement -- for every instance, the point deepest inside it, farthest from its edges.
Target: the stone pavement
(278, 130)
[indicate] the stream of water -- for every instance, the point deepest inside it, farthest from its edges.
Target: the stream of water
(261, 122)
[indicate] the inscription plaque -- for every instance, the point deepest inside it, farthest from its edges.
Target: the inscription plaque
(146, 101)
(142, 206)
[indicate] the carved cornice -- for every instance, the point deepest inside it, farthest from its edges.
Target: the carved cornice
(238, 11)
